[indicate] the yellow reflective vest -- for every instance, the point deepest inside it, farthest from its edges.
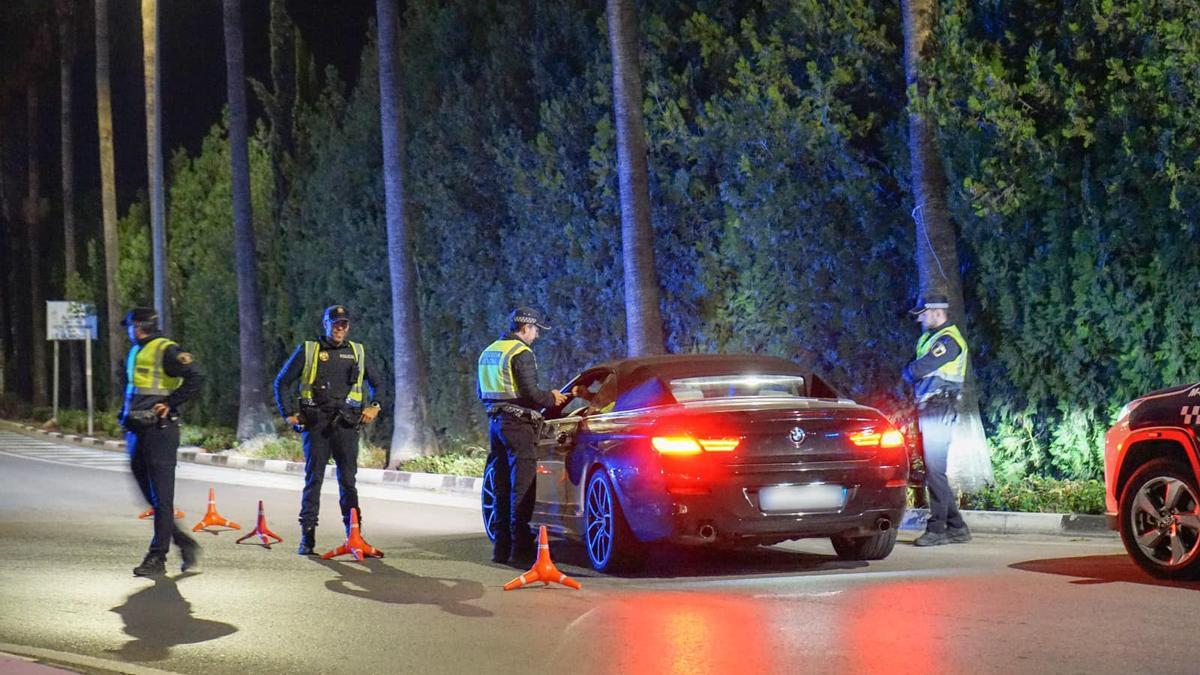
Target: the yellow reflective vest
(144, 370)
(953, 371)
(497, 381)
(309, 375)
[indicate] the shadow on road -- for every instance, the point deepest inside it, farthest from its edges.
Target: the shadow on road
(158, 617)
(1100, 569)
(375, 580)
(662, 562)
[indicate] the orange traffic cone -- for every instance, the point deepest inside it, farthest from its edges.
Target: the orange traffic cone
(355, 545)
(149, 513)
(543, 569)
(261, 530)
(212, 518)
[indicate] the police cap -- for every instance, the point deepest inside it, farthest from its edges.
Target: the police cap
(140, 315)
(336, 313)
(930, 302)
(526, 315)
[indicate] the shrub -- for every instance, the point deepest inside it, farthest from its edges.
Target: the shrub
(1040, 495)
(212, 439)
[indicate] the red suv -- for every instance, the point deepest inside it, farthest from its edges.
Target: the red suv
(1151, 461)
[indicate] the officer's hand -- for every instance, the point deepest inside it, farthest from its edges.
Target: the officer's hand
(369, 414)
(559, 398)
(161, 409)
(293, 421)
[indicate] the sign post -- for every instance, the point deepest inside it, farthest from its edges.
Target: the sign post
(72, 321)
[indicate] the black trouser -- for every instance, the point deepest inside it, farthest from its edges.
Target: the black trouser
(152, 460)
(514, 454)
(329, 437)
(936, 422)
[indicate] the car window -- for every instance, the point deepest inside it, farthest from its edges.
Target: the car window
(737, 386)
(599, 390)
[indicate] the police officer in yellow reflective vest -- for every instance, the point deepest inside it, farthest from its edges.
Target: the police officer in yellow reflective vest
(937, 376)
(332, 372)
(508, 388)
(159, 378)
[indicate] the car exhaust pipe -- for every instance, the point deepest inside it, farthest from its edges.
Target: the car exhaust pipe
(707, 532)
(883, 524)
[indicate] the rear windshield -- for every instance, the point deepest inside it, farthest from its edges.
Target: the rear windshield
(736, 386)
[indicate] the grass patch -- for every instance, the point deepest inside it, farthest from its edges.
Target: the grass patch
(1040, 495)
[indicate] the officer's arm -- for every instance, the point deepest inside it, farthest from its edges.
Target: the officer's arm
(944, 351)
(284, 380)
(370, 378)
(178, 363)
(525, 369)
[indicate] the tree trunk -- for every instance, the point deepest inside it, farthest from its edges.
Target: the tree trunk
(35, 211)
(937, 250)
(283, 80)
(254, 417)
(66, 42)
(108, 193)
(154, 161)
(411, 435)
(643, 319)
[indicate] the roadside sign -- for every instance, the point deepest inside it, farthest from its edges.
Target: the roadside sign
(67, 320)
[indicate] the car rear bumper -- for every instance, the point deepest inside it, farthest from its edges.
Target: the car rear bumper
(729, 512)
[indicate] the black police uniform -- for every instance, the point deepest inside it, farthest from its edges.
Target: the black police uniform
(153, 453)
(330, 424)
(937, 413)
(513, 432)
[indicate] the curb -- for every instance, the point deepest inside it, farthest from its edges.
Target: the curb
(405, 479)
(982, 522)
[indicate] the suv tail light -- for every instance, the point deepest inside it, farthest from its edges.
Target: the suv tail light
(686, 445)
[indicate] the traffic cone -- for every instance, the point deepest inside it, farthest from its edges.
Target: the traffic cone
(261, 530)
(355, 545)
(149, 513)
(212, 518)
(543, 569)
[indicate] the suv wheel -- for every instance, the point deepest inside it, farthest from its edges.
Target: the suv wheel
(1160, 520)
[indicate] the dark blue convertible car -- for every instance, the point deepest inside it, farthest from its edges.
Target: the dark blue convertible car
(714, 450)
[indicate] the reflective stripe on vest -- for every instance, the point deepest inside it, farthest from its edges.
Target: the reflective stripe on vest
(497, 382)
(309, 375)
(954, 371)
(144, 371)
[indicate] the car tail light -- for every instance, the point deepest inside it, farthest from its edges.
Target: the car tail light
(686, 445)
(888, 438)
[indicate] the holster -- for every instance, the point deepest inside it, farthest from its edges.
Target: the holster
(516, 412)
(141, 420)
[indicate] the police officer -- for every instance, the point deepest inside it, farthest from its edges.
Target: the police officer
(508, 388)
(159, 378)
(331, 372)
(937, 376)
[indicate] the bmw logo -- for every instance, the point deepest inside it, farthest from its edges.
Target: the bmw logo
(797, 436)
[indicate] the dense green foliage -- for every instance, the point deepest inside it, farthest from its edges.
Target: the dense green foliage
(781, 210)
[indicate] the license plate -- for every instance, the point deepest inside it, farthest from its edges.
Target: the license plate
(792, 498)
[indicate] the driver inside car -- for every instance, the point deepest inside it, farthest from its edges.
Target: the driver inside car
(601, 396)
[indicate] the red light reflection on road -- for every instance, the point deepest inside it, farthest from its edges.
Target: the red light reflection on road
(691, 634)
(900, 627)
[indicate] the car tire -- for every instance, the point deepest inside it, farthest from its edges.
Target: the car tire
(488, 500)
(871, 547)
(610, 544)
(1159, 520)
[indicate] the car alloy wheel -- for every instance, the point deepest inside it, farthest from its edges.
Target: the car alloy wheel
(1160, 520)
(488, 501)
(598, 534)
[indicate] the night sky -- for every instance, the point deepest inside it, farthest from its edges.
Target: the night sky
(193, 80)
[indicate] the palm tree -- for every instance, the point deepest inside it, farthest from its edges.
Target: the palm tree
(411, 435)
(643, 319)
(66, 45)
(108, 192)
(937, 249)
(154, 160)
(35, 211)
(253, 415)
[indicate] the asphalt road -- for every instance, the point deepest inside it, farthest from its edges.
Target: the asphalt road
(69, 537)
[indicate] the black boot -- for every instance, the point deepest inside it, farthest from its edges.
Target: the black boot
(153, 565)
(308, 540)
